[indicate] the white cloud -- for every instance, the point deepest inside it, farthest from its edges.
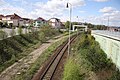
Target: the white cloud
(77, 2)
(111, 13)
(114, 18)
(55, 8)
(101, 0)
(9, 9)
(51, 8)
(2, 2)
(22, 2)
(39, 4)
(107, 9)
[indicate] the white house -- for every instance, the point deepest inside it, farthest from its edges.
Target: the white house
(39, 22)
(55, 22)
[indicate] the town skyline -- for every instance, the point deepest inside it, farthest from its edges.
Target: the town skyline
(92, 11)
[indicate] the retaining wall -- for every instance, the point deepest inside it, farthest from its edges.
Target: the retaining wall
(110, 45)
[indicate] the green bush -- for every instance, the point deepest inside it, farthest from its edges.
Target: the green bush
(116, 75)
(92, 60)
(49, 31)
(71, 71)
(92, 52)
(20, 30)
(1, 24)
(3, 34)
(42, 37)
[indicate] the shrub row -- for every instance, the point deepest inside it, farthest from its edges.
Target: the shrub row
(87, 56)
(92, 52)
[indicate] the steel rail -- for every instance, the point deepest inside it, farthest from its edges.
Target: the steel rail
(59, 53)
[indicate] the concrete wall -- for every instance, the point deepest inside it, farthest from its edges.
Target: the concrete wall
(110, 46)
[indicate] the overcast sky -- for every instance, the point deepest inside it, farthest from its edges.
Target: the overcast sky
(93, 11)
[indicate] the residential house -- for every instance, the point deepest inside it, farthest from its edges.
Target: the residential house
(114, 28)
(39, 22)
(62, 25)
(55, 22)
(14, 19)
(26, 21)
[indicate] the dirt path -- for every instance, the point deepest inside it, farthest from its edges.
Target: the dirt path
(24, 63)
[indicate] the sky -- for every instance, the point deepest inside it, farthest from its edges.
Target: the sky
(92, 11)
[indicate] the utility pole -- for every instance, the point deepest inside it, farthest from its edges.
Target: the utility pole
(69, 26)
(108, 23)
(77, 28)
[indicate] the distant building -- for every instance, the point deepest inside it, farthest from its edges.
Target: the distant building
(15, 20)
(55, 22)
(62, 25)
(39, 22)
(114, 29)
(80, 27)
(26, 21)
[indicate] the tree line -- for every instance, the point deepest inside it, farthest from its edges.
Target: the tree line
(90, 26)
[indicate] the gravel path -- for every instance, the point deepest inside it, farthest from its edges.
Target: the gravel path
(23, 64)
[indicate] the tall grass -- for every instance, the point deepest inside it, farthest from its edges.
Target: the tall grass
(71, 71)
(90, 59)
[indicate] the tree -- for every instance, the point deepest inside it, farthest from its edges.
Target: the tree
(11, 25)
(67, 24)
(1, 24)
(5, 24)
(85, 23)
(12, 33)
(75, 23)
(20, 30)
(89, 25)
(3, 34)
(42, 37)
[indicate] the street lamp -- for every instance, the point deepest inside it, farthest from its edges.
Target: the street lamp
(78, 24)
(108, 23)
(69, 25)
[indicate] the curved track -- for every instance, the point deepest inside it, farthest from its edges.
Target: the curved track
(48, 70)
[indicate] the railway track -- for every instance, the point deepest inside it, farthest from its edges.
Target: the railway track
(48, 70)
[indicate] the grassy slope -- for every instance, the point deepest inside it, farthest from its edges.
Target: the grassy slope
(92, 62)
(13, 48)
(16, 47)
(34, 67)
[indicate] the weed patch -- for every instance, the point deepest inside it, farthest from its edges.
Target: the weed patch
(92, 61)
